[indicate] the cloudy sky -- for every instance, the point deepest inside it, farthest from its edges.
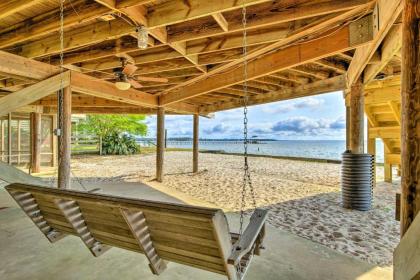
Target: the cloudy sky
(310, 118)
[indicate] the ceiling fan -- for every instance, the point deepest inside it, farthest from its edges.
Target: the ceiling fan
(124, 78)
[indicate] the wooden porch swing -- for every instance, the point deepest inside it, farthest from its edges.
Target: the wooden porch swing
(189, 235)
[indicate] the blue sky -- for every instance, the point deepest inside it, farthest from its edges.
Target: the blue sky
(309, 118)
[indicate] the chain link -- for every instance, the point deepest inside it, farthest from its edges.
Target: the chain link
(247, 182)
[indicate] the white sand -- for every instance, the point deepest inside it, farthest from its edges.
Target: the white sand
(303, 197)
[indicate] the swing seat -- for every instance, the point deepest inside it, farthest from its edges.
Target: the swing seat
(189, 235)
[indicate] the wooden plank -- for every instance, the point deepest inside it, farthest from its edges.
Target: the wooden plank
(268, 64)
(383, 95)
(221, 230)
(10, 7)
(73, 215)
(176, 11)
(247, 241)
(407, 254)
(295, 36)
(138, 226)
(221, 21)
(389, 132)
(30, 94)
(270, 14)
(75, 38)
(324, 86)
(31, 208)
(386, 12)
(390, 46)
(16, 65)
(87, 85)
(37, 29)
(410, 118)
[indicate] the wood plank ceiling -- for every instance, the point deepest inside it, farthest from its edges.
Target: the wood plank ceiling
(296, 47)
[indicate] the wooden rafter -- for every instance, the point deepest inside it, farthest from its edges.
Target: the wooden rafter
(271, 63)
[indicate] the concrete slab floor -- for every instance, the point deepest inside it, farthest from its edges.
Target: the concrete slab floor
(26, 254)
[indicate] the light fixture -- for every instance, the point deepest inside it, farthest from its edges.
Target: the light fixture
(142, 37)
(122, 83)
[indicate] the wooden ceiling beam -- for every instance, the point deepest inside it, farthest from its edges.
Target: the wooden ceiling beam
(319, 87)
(321, 26)
(82, 101)
(76, 38)
(37, 29)
(30, 94)
(390, 46)
(175, 11)
(10, 7)
(281, 12)
(276, 61)
(221, 21)
(15, 65)
(386, 13)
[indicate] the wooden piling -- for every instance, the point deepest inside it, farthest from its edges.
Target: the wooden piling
(160, 143)
(9, 139)
(356, 117)
(410, 116)
(195, 142)
(35, 142)
(64, 141)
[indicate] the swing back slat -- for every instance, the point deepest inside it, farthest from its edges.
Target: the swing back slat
(190, 235)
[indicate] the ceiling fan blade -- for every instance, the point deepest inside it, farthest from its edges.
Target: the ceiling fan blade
(152, 79)
(129, 69)
(134, 83)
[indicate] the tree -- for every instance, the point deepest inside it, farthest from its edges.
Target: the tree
(112, 128)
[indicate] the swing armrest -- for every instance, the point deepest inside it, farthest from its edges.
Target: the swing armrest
(246, 243)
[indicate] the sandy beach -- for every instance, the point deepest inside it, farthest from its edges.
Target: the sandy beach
(303, 197)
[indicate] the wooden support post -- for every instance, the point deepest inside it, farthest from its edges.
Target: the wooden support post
(35, 142)
(387, 167)
(356, 117)
(348, 135)
(195, 142)
(54, 142)
(371, 149)
(19, 140)
(410, 115)
(9, 139)
(2, 134)
(74, 216)
(64, 140)
(138, 226)
(160, 143)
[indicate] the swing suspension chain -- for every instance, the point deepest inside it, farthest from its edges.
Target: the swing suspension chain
(247, 182)
(60, 92)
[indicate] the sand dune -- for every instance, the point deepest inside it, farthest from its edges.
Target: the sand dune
(303, 197)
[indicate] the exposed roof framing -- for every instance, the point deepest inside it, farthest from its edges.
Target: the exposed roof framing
(295, 48)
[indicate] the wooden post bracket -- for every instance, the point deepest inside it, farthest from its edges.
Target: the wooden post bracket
(74, 216)
(138, 226)
(29, 205)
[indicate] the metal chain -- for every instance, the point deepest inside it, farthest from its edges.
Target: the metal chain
(60, 92)
(247, 182)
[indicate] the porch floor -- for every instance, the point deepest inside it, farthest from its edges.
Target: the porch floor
(26, 254)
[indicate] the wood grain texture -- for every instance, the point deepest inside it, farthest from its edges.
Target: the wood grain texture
(35, 119)
(195, 142)
(64, 141)
(410, 116)
(357, 118)
(160, 143)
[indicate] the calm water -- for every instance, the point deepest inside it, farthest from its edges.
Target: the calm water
(324, 149)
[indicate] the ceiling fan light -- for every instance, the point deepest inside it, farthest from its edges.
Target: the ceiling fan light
(142, 37)
(122, 85)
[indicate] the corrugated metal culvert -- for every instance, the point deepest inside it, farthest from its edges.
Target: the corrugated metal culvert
(357, 181)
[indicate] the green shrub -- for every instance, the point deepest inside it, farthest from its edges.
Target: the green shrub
(119, 144)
